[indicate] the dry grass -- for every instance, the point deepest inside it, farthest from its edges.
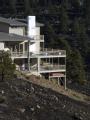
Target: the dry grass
(52, 84)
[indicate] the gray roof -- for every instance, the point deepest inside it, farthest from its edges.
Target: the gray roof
(18, 22)
(12, 22)
(12, 37)
(4, 20)
(38, 24)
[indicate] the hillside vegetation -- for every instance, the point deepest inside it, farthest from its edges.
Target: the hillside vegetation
(22, 100)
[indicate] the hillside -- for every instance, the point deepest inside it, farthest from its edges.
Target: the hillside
(22, 100)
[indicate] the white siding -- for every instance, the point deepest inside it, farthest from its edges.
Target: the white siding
(37, 30)
(35, 48)
(34, 31)
(17, 30)
(1, 46)
(31, 25)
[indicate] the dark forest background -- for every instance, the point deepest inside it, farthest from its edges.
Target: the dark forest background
(66, 26)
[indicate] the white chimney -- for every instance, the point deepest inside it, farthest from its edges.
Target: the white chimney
(31, 26)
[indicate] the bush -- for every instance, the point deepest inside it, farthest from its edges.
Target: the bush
(7, 68)
(2, 99)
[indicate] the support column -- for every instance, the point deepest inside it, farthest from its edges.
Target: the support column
(23, 64)
(65, 86)
(38, 65)
(28, 56)
(46, 54)
(49, 77)
(65, 83)
(23, 48)
(43, 46)
(19, 48)
(52, 61)
(49, 60)
(58, 81)
(52, 58)
(12, 60)
(58, 61)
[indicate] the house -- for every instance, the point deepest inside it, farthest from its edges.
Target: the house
(26, 46)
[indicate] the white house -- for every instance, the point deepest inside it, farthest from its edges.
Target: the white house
(26, 45)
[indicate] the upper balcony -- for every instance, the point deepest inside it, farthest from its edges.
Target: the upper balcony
(46, 54)
(51, 54)
(37, 38)
(19, 55)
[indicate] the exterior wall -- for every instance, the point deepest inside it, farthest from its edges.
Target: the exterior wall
(31, 25)
(4, 27)
(35, 47)
(17, 30)
(34, 31)
(37, 30)
(37, 44)
(1, 46)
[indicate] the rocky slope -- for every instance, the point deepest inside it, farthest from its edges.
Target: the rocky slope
(22, 100)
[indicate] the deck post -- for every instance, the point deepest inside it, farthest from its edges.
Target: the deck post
(65, 86)
(49, 76)
(19, 47)
(38, 64)
(23, 47)
(58, 81)
(43, 46)
(65, 83)
(28, 56)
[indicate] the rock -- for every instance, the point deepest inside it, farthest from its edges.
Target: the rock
(22, 110)
(56, 98)
(77, 117)
(32, 88)
(38, 106)
(2, 92)
(84, 113)
(32, 109)
(64, 106)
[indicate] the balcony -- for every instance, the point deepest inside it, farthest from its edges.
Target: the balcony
(47, 54)
(37, 38)
(52, 68)
(19, 55)
(49, 68)
(51, 54)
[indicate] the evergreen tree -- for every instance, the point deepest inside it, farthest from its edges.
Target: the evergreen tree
(12, 6)
(75, 67)
(6, 67)
(86, 9)
(61, 43)
(27, 7)
(65, 4)
(64, 21)
(50, 35)
(80, 37)
(75, 3)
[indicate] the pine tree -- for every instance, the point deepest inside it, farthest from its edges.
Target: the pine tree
(12, 6)
(80, 37)
(75, 67)
(86, 10)
(27, 6)
(6, 67)
(64, 21)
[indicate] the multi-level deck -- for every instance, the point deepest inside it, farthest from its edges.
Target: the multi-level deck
(46, 62)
